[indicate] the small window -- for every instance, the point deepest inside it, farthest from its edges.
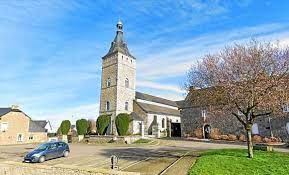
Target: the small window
(4, 126)
(107, 106)
(108, 82)
(31, 137)
(286, 108)
(287, 127)
(163, 123)
(19, 137)
(204, 114)
(126, 83)
(126, 106)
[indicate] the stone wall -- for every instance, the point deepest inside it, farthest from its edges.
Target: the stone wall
(193, 123)
(16, 168)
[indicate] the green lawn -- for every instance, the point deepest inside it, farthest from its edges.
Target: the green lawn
(235, 162)
(142, 141)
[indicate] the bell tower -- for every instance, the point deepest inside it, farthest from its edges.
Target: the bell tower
(118, 79)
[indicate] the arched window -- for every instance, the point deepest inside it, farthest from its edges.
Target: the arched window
(255, 129)
(163, 123)
(107, 106)
(108, 82)
(126, 83)
(126, 106)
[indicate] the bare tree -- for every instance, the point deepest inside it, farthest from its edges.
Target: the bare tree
(91, 126)
(248, 80)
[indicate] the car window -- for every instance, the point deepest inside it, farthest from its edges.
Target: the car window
(60, 145)
(42, 147)
(53, 146)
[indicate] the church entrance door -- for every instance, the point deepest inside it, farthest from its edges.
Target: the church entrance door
(176, 129)
(207, 131)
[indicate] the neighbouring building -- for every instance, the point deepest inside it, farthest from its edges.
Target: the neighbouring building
(119, 95)
(199, 121)
(18, 128)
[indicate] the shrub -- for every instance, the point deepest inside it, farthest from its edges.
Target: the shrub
(65, 127)
(122, 123)
(81, 126)
(102, 124)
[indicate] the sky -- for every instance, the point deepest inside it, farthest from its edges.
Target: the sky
(50, 51)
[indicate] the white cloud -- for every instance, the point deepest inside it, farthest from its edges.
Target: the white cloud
(177, 58)
(159, 86)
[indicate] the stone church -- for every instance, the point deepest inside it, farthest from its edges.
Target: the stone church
(118, 94)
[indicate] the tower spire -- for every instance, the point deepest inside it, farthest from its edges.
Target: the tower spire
(118, 44)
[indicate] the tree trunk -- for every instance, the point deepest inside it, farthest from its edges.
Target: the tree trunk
(249, 142)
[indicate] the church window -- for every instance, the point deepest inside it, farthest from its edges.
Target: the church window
(287, 127)
(126, 83)
(126, 106)
(163, 123)
(107, 106)
(204, 114)
(108, 82)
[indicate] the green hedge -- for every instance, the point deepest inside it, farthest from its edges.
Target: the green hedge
(102, 124)
(65, 127)
(81, 126)
(122, 123)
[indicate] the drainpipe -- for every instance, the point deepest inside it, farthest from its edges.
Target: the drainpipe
(270, 125)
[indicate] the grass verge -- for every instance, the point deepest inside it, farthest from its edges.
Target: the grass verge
(235, 162)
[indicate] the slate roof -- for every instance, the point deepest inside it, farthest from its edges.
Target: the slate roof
(36, 126)
(118, 44)
(4, 111)
(147, 97)
(136, 117)
(149, 108)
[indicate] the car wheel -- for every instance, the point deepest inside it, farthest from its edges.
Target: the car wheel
(65, 154)
(41, 159)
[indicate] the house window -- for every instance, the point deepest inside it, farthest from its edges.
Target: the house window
(126, 83)
(108, 82)
(286, 108)
(31, 137)
(255, 129)
(4, 126)
(126, 106)
(19, 137)
(107, 106)
(163, 123)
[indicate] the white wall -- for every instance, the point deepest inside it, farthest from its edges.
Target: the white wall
(136, 127)
(150, 118)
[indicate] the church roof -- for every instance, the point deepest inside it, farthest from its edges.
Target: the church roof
(147, 97)
(118, 44)
(154, 109)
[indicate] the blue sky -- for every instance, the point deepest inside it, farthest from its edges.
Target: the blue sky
(50, 51)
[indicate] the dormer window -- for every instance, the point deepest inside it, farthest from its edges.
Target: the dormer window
(108, 82)
(126, 83)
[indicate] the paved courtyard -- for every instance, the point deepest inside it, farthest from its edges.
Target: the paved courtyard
(148, 159)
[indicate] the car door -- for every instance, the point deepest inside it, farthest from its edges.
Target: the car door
(60, 149)
(52, 151)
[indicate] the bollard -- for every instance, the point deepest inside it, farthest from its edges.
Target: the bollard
(114, 161)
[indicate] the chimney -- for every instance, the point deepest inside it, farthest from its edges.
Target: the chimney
(13, 107)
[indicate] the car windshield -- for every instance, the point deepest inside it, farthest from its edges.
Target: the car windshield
(42, 147)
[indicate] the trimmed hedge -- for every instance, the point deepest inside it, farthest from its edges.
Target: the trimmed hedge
(81, 126)
(102, 124)
(122, 123)
(65, 127)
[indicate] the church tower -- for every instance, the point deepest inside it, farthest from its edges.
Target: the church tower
(118, 79)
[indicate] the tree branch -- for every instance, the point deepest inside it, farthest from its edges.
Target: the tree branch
(239, 118)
